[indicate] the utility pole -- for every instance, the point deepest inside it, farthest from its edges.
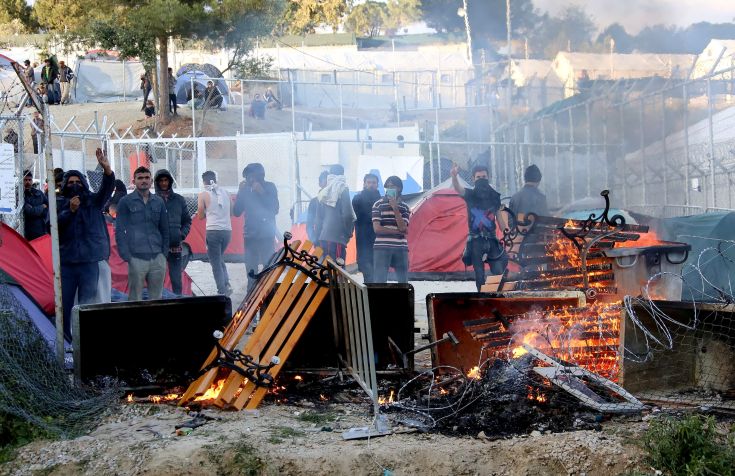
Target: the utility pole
(510, 61)
(463, 12)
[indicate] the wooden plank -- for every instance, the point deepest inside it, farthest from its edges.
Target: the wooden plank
(277, 342)
(268, 325)
(260, 393)
(234, 379)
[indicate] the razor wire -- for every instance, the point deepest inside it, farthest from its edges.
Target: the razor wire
(35, 387)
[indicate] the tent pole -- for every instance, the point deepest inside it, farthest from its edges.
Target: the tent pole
(55, 259)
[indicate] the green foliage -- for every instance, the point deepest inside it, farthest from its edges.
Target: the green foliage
(16, 17)
(400, 13)
(247, 460)
(16, 432)
(317, 418)
(367, 18)
(254, 68)
(571, 31)
(304, 16)
(689, 447)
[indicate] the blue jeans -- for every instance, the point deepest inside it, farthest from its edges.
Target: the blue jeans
(387, 257)
(78, 278)
(217, 241)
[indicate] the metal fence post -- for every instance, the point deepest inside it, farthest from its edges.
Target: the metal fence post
(713, 160)
(193, 109)
(688, 185)
(571, 156)
(644, 171)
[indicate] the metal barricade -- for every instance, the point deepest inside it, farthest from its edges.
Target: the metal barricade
(352, 329)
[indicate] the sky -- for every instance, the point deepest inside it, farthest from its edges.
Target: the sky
(634, 15)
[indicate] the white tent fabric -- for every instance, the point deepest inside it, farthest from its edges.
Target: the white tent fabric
(108, 81)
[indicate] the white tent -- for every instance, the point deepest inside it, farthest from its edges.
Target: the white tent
(108, 81)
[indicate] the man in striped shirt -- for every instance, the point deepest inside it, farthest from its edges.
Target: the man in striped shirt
(390, 222)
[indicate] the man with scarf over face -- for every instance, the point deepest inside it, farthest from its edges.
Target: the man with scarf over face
(258, 199)
(335, 216)
(363, 203)
(483, 205)
(179, 224)
(83, 239)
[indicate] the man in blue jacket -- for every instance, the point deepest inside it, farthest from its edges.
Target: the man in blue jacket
(179, 224)
(142, 235)
(83, 239)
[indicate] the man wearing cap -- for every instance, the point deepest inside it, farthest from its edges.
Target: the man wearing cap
(529, 199)
(83, 238)
(258, 199)
(35, 209)
(65, 77)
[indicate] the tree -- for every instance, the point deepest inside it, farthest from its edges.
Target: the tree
(144, 28)
(400, 13)
(304, 16)
(624, 43)
(367, 19)
(68, 15)
(441, 15)
(571, 31)
(16, 16)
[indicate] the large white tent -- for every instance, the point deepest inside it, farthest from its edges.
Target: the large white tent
(108, 81)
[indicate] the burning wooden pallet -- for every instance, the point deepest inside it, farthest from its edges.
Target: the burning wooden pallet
(240, 370)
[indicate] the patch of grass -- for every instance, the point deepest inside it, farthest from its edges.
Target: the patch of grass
(247, 460)
(690, 447)
(287, 432)
(317, 418)
(274, 440)
(16, 432)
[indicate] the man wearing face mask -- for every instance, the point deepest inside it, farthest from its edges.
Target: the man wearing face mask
(83, 239)
(483, 209)
(363, 203)
(35, 209)
(213, 204)
(390, 222)
(179, 224)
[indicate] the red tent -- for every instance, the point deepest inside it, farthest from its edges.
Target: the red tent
(197, 239)
(21, 265)
(298, 232)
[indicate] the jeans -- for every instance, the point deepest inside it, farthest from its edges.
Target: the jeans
(333, 249)
(366, 261)
(217, 241)
(174, 272)
(387, 257)
(140, 271)
(483, 251)
(65, 90)
(258, 251)
(146, 93)
(77, 279)
(172, 103)
(104, 283)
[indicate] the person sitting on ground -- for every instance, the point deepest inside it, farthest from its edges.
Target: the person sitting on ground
(150, 109)
(257, 107)
(212, 97)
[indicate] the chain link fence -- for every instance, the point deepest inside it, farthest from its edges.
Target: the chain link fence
(13, 160)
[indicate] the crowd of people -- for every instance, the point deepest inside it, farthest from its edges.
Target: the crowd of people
(54, 83)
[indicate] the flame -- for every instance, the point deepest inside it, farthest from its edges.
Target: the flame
(386, 401)
(443, 392)
(536, 395)
(646, 239)
(299, 378)
(323, 397)
(212, 392)
(474, 373)
(130, 398)
(155, 398)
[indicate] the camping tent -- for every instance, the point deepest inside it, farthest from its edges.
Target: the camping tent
(199, 74)
(11, 89)
(107, 81)
(436, 235)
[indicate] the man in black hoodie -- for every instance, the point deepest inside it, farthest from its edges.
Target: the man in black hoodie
(179, 224)
(483, 210)
(363, 203)
(83, 238)
(35, 209)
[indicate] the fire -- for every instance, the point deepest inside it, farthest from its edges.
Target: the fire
(563, 251)
(130, 398)
(155, 398)
(443, 391)
(323, 397)
(212, 392)
(536, 395)
(386, 401)
(474, 373)
(298, 378)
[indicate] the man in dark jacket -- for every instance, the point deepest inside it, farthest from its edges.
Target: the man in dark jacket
(363, 203)
(179, 224)
(529, 199)
(311, 212)
(335, 216)
(49, 74)
(258, 199)
(142, 235)
(35, 209)
(83, 239)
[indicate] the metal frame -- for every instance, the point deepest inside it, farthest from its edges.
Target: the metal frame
(353, 336)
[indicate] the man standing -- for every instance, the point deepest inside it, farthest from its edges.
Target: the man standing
(311, 212)
(212, 96)
(335, 216)
(48, 77)
(172, 92)
(36, 131)
(146, 87)
(529, 199)
(214, 205)
(65, 77)
(483, 205)
(142, 235)
(390, 222)
(83, 240)
(179, 224)
(35, 209)
(363, 203)
(258, 199)
(29, 73)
